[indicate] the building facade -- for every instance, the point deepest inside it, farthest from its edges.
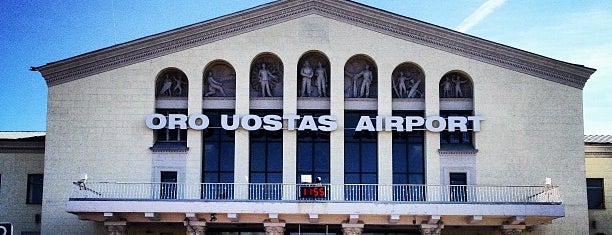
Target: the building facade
(314, 116)
(21, 180)
(598, 151)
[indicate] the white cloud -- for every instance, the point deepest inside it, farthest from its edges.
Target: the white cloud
(483, 11)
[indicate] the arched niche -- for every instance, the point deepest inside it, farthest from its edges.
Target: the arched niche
(171, 83)
(456, 84)
(313, 75)
(408, 81)
(266, 76)
(360, 78)
(219, 80)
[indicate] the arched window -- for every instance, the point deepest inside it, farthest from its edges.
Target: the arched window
(456, 92)
(171, 90)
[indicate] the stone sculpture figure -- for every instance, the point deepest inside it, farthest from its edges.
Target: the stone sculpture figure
(214, 86)
(166, 87)
(321, 80)
(446, 87)
(178, 85)
(264, 76)
(307, 73)
(366, 83)
(400, 87)
(457, 80)
(414, 87)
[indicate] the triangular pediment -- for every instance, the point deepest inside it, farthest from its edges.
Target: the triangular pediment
(344, 11)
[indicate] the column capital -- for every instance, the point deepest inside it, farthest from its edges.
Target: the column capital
(431, 229)
(274, 228)
(352, 229)
(115, 227)
(195, 227)
(512, 229)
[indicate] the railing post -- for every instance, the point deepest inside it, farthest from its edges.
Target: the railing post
(385, 193)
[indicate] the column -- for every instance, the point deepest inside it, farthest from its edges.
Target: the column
(512, 229)
(195, 227)
(352, 229)
(274, 228)
(115, 227)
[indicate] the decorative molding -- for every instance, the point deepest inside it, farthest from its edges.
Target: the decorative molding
(345, 11)
(598, 154)
(458, 152)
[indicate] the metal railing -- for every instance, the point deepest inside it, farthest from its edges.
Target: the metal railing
(407, 193)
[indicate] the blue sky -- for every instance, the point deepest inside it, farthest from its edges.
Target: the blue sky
(34, 33)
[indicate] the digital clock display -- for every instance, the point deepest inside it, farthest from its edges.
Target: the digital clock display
(312, 192)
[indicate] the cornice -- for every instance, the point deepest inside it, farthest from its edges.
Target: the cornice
(284, 10)
(22, 146)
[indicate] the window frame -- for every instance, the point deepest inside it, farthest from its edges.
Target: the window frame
(34, 187)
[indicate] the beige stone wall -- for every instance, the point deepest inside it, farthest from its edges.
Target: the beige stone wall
(14, 168)
(600, 166)
(533, 128)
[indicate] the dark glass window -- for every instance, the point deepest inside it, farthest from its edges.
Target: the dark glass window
(35, 189)
(595, 193)
(171, 138)
(457, 137)
(266, 162)
(217, 157)
(360, 159)
(313, 151)
(408, 163)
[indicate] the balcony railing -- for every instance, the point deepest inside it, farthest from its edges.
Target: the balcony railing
(399, 193)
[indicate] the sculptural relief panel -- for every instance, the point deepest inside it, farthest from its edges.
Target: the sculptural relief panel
(408, 81)
(456, 85)
(266, 76)
(313, 75)
(360, 78)
(171, 83)
(219, 80)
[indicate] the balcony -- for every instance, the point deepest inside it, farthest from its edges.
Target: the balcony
(300, 203)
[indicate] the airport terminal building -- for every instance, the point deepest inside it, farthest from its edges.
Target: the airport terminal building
(314, 116)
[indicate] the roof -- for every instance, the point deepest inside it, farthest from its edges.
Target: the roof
(22, 142)
(14, 135)
(598, 139)
(353, 13)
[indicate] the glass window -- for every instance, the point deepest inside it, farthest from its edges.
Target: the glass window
(266, 162)
(457, 137)
(35, 189)
(313, 151)
(408, 154)
(595, 193)
(217, 157)
(175, 139)
(360, 159)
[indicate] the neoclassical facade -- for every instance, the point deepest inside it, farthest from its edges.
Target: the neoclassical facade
(314, 116)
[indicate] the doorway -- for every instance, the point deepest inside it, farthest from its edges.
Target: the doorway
(458, 187)
(168, 185)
